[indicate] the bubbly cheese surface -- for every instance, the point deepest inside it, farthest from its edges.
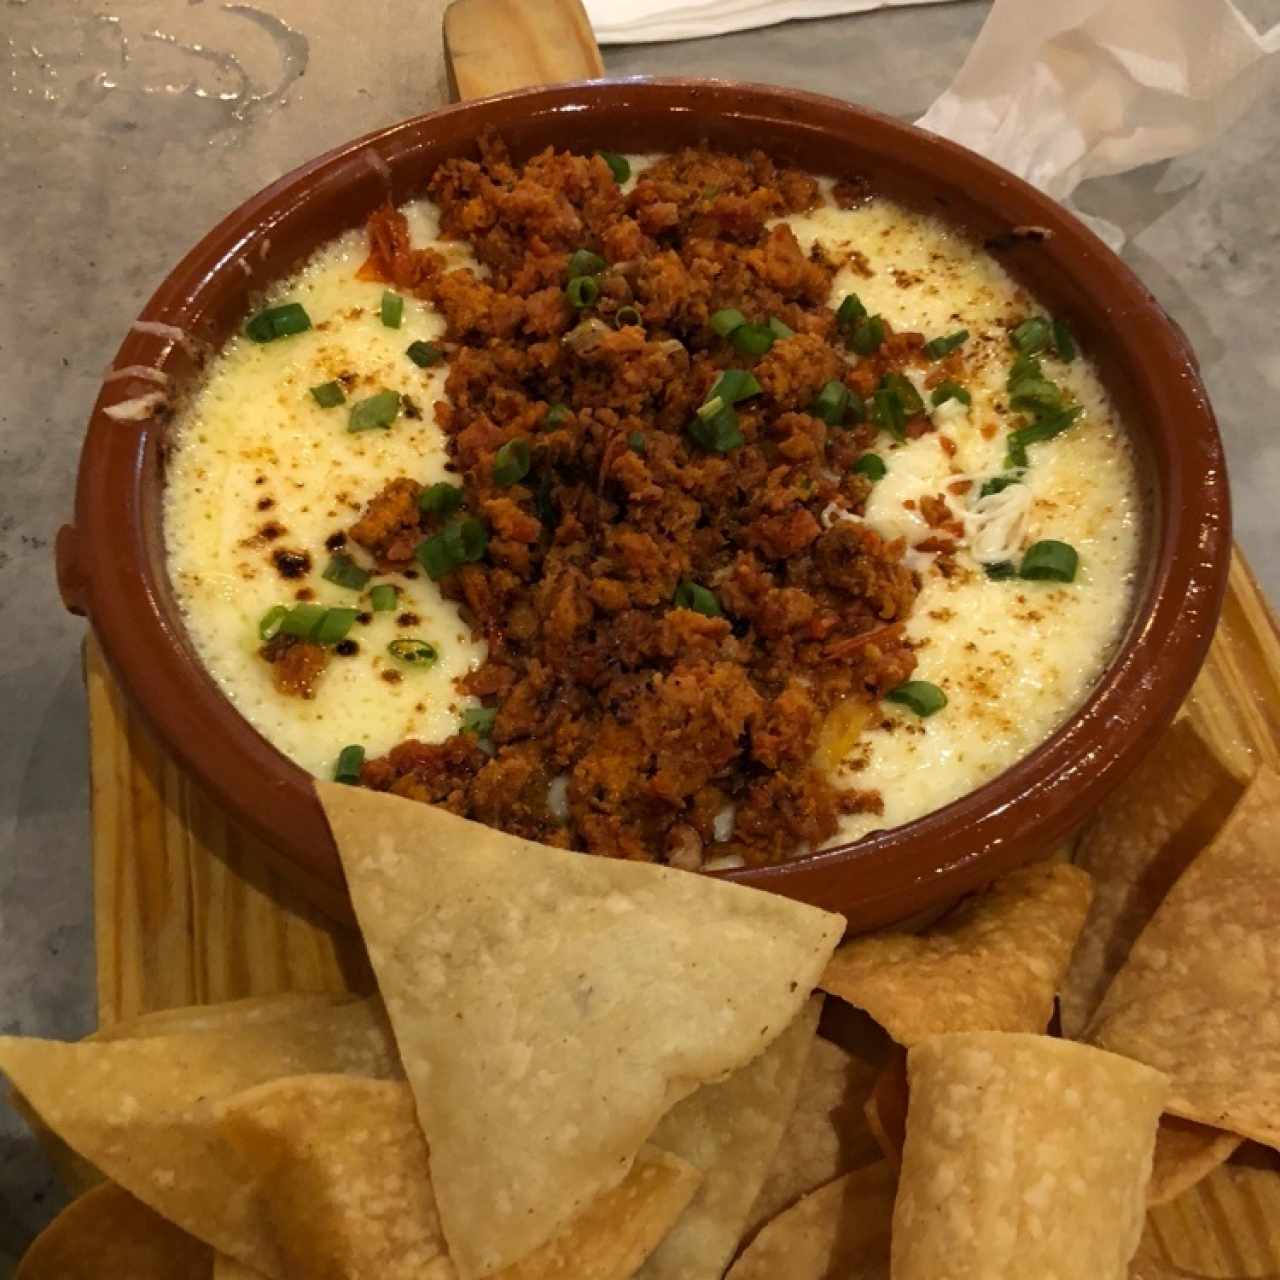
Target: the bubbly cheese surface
(258, 466)
(1015, 658)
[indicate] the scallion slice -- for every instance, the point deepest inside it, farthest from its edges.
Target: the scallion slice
(939, 347)
(424, 354)
(392, 309)
(511, 463)
(1045, 427)
(637, 443)
(278, 322)
(850, 313)
(334, 626)
(582, 291)
(1064, 342)
(716, 432)
(347, 768)
(478, 720)
(780, 330)
(922, 697)
(414, 652)
(870, 465)
(619, 166)
(625, 316)
(1032, 335)
(384, 598)
(949, 390)
(887, 412)
(689, 595)
(752, 339)
(905, 390)
(379, 410)
(582, 262)
(831, 403)
(440, 499)
(269, 623)
(726, 321)
(343, 571)
(868, 335)
(1001, 570)
(328, 395)
(458, 543)
(302, 620)
(1050, 561)
(734, 385)
(997, 484)
(556, 414)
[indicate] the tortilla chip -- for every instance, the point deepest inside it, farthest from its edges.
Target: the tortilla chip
(839, 1232)
(225, 1268)
(827, 1134)
(1199, 996)
(143, 1111)
(1025, 1156)
(551, 1008)
(730, 1132)
(344, 1174)
(993, 964)
(108, 1235)
(1185, 1153)
(886, 1108)
(1141, 841)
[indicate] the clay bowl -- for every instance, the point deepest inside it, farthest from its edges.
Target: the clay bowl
(111, 563)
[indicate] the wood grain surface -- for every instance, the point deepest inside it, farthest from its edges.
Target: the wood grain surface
(186, 912)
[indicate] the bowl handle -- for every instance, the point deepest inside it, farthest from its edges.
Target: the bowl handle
(73, 582)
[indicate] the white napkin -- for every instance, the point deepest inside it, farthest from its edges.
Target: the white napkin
(1063, 90)
(643, 21)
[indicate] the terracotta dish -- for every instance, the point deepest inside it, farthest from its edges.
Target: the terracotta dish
(111, 562)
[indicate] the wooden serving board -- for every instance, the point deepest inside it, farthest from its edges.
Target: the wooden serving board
(187, 912)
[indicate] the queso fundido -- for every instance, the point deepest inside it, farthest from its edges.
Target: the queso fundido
(683, 508)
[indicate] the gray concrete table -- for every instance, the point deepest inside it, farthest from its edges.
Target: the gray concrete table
(125, 133)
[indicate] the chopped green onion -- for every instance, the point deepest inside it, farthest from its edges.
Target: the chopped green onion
(619, 166)
(949, 390)
(302, 620)
(734, 385)
(922, 697)
(709, 408)
(334, 626)
(413, 652)
(384, 598)
(344, 572)
(780, 330)
(872, 466)
(478, 720)
(511, 463)
(887, 412)
(379, 410)
(328, 395)
(582, 262)
(556, 414)
(997, 484)
(849, 314)
(939, 347)
(868, 335)
(278, 322)
(1064, 342)
(1050, 561)
(424, 354)
(1036, 395)
(1045, 427)
(627, 316)
(716, 432)
(270, 621)
(392, 309)
(582, 291)
(461, 542)
(1000, 570)
(752, 339)
(347, 768)
(637, 443)
(1032, 335)
(542, 503)
(440, 499)
(831, 403)
(689, 595)
(726, 321)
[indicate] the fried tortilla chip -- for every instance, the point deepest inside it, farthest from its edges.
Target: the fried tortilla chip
(225, 1268)
(344, 1174)
(1185, 1153)
(1142, 840)
(886, 1108)
(729, 1132)
(993, 964)
(1025, 1156)
(143, 1111)
(827, 1134)
(107, 1233)
(1199, 996)
(550, 1008)
(839, 1232)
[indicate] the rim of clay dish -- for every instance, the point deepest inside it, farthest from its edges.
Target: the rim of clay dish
(111, 563)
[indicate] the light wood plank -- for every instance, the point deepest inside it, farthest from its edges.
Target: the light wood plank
(492, 46)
